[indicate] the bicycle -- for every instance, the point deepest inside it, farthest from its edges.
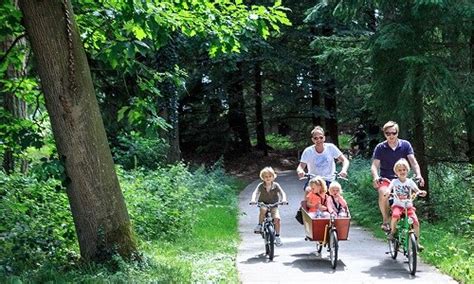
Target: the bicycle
(268, 227)
(404, 238)
(325, 231)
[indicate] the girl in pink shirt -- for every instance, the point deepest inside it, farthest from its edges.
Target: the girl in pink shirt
(316, 199)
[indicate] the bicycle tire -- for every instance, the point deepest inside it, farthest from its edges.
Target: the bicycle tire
(333, 248)
(270, 245)
(412, 253)
(393, 247)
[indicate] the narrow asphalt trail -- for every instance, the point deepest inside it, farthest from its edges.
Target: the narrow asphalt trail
(362, 258)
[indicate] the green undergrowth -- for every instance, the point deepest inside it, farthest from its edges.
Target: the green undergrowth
(185, 224)
(447, 238)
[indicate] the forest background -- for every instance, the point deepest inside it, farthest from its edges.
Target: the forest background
(117, 117)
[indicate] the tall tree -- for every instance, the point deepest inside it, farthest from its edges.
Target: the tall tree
(260, 128)
(97, 204)
(237, 116)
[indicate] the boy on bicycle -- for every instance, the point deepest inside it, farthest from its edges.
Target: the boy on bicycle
(402, 189)
(269, 192)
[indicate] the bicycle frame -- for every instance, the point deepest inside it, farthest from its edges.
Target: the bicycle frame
(268, 230)
(404, 228)
(405, 238)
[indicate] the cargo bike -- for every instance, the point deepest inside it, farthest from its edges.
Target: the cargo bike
(326, 232)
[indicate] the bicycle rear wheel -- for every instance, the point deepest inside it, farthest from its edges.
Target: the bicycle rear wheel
(412, 252)
(333, 248)
(270, 242)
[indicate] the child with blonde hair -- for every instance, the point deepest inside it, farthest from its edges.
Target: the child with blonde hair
(402, 188)
(337, 204)
(316, 199)
(269, 192)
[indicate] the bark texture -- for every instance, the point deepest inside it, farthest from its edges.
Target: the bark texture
(97, 204)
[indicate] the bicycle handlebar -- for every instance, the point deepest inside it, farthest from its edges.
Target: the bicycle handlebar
(262, 204)
(310, 176)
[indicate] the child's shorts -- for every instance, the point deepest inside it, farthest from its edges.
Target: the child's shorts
(397, 212)
(275, 212)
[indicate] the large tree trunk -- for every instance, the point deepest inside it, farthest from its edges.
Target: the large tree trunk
(237, 117)
(261, 142)
(97, 204)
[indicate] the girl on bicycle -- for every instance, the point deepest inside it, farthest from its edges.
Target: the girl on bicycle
(336, 203)
(402, 188)
(269, 192)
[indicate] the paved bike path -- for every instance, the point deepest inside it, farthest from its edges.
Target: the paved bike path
(362, 258)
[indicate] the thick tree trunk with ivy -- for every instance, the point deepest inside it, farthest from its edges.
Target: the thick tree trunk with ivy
(261, 142)
(237, 117)
(97, 204)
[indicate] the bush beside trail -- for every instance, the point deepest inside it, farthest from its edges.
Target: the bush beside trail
(169, 208)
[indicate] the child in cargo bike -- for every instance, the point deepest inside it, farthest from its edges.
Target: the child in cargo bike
(402, 189)
(316, 199)
(337, 205)
(269, 192)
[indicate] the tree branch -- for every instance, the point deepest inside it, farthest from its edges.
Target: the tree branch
(11, 46)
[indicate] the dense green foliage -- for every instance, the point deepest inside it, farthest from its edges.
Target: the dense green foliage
(177, 214)
(171, 75)
(35, 223)
(413, 56)
(447, 239)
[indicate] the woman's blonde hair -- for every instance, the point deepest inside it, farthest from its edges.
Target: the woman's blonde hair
(267, 170)
(401, 163)
(319, 181)
(335, 184)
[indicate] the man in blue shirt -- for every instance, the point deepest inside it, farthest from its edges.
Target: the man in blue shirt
(386, 154)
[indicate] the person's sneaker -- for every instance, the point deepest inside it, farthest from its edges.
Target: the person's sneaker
(258, 229)
(278, 242)
(420, 248)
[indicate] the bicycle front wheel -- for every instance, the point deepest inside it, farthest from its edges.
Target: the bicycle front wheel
(412, 252)
(393, 246)
(333, 248)
(270, 242)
